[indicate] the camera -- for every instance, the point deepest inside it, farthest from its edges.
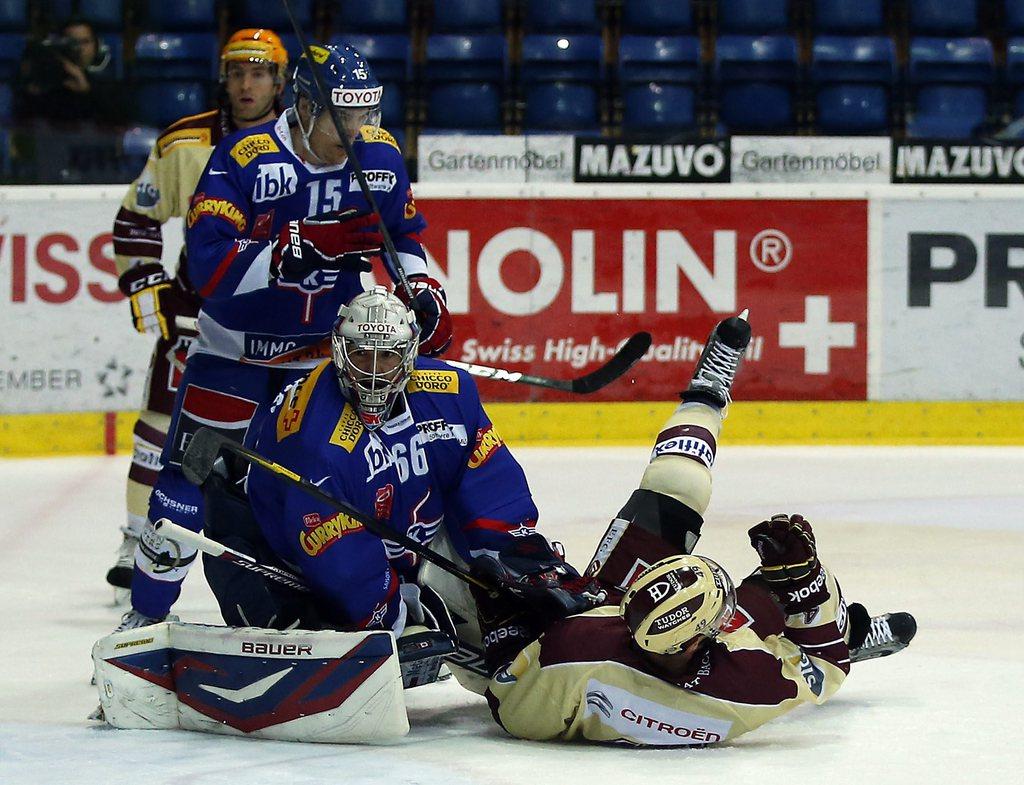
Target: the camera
(43, 61)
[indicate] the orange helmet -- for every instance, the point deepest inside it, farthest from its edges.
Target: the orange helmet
(254, 45)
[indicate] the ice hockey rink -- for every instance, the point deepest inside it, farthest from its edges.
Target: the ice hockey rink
(936, 531)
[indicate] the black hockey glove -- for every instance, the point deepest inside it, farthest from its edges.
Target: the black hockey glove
(333, 241)
(789, 562)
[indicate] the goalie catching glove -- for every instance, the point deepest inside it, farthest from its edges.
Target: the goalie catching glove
(155, 299)
(332, 241)
(789, 562)
(430, 304)
(534, 587)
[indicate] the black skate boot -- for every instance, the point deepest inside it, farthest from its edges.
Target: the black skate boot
(878, 636)
(716, 369)
(120, 575)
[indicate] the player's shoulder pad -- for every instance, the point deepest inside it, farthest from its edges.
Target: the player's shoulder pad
(196, 130)
(437, 376)
(371, 135)
(245, 146)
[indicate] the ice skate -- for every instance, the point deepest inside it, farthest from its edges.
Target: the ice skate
(120, 575)
(719, 362)
(132, 620)
(879, 636)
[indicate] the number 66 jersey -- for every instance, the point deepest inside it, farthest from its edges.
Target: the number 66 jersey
(254, 183)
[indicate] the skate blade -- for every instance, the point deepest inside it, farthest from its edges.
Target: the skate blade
(121, 597)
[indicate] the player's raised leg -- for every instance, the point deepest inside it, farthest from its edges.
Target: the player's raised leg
(664, 515)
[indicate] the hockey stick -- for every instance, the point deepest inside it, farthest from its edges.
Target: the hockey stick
(183, 536)
(206, 445)
(624, 359)
(357, 169)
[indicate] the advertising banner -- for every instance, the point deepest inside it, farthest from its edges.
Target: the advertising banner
(553, 286)
(952, 291)
(638, 161)
(495, 159)
(810, 159)
(66, 338)
(948, 162)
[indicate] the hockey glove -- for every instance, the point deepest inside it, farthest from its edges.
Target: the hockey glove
(153, 298)
(333, 241)
(430, 305)
(789, 562)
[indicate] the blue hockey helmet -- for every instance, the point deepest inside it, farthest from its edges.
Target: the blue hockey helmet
(347, 78)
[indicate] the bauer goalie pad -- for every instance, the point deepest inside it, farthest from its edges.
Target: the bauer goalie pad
(327, 686)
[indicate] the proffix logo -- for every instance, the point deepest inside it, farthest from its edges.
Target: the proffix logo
(377, 179)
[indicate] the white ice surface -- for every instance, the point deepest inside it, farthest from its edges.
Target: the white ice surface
(939, 532)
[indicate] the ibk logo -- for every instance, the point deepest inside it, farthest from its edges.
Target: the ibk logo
(274, 181)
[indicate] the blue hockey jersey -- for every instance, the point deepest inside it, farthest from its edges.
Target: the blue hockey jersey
(253, 184)
(439, 462)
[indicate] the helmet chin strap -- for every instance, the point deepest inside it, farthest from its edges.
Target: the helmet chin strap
(307, 132)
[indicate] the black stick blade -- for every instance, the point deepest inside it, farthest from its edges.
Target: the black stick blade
(200, 455)
(630, 353)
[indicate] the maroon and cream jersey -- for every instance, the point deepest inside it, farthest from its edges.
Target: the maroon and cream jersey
(584, 679)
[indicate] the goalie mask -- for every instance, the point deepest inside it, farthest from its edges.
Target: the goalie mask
(350, 86)
(374, 345)
(675, 600)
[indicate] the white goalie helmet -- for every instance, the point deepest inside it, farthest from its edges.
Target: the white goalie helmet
(374, 344)
(675, 600)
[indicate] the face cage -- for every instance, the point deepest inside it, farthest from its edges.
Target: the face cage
(316, 109)
(374, 394)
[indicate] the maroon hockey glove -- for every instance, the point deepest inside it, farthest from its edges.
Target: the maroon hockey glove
(789, 562)
(153, 298)
(333, 241)
(431, 308)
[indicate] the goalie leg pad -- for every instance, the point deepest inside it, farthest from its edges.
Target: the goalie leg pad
(327, 686)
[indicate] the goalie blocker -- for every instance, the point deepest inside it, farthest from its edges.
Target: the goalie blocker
(327, 686)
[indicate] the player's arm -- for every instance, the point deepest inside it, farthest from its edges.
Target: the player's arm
(138, 245)
(405, 224)
(813, 643)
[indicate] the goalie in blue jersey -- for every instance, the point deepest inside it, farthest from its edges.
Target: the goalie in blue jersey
(277, 235)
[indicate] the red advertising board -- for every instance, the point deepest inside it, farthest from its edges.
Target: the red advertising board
(552, 286)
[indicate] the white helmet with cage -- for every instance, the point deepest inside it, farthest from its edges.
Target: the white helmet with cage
(374, 344)
(675, 600)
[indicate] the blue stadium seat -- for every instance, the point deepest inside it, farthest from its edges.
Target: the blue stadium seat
(12, 45)
(389, 54)
(291, 46)
(374, 16)
(6, 103)
(548, 58)
(659, 107)
(753, 16)
(1015, 16)
(660, 17)
(950, 80)
(59, 10)
(756, 77)
(943, 17)
(260, 13)
(115, 45)
(561, 16)
(161, 103)
(853, 79)
(191, 56)
(13, 14)
(465, 77)
(464, 16)
(466, 58)
(645, 58)
(104, 14)
(561, 106)
(1015, 73)
(464, 106)
(181, 15)
(138, 140)
(849, 16)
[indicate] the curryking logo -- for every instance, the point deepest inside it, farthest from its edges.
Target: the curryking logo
(348, 430)
(249, 147)
(487, 443)
(433, 381)
(218, 208)
(317, 540)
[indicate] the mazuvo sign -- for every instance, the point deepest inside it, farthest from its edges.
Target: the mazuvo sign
(810, 159)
